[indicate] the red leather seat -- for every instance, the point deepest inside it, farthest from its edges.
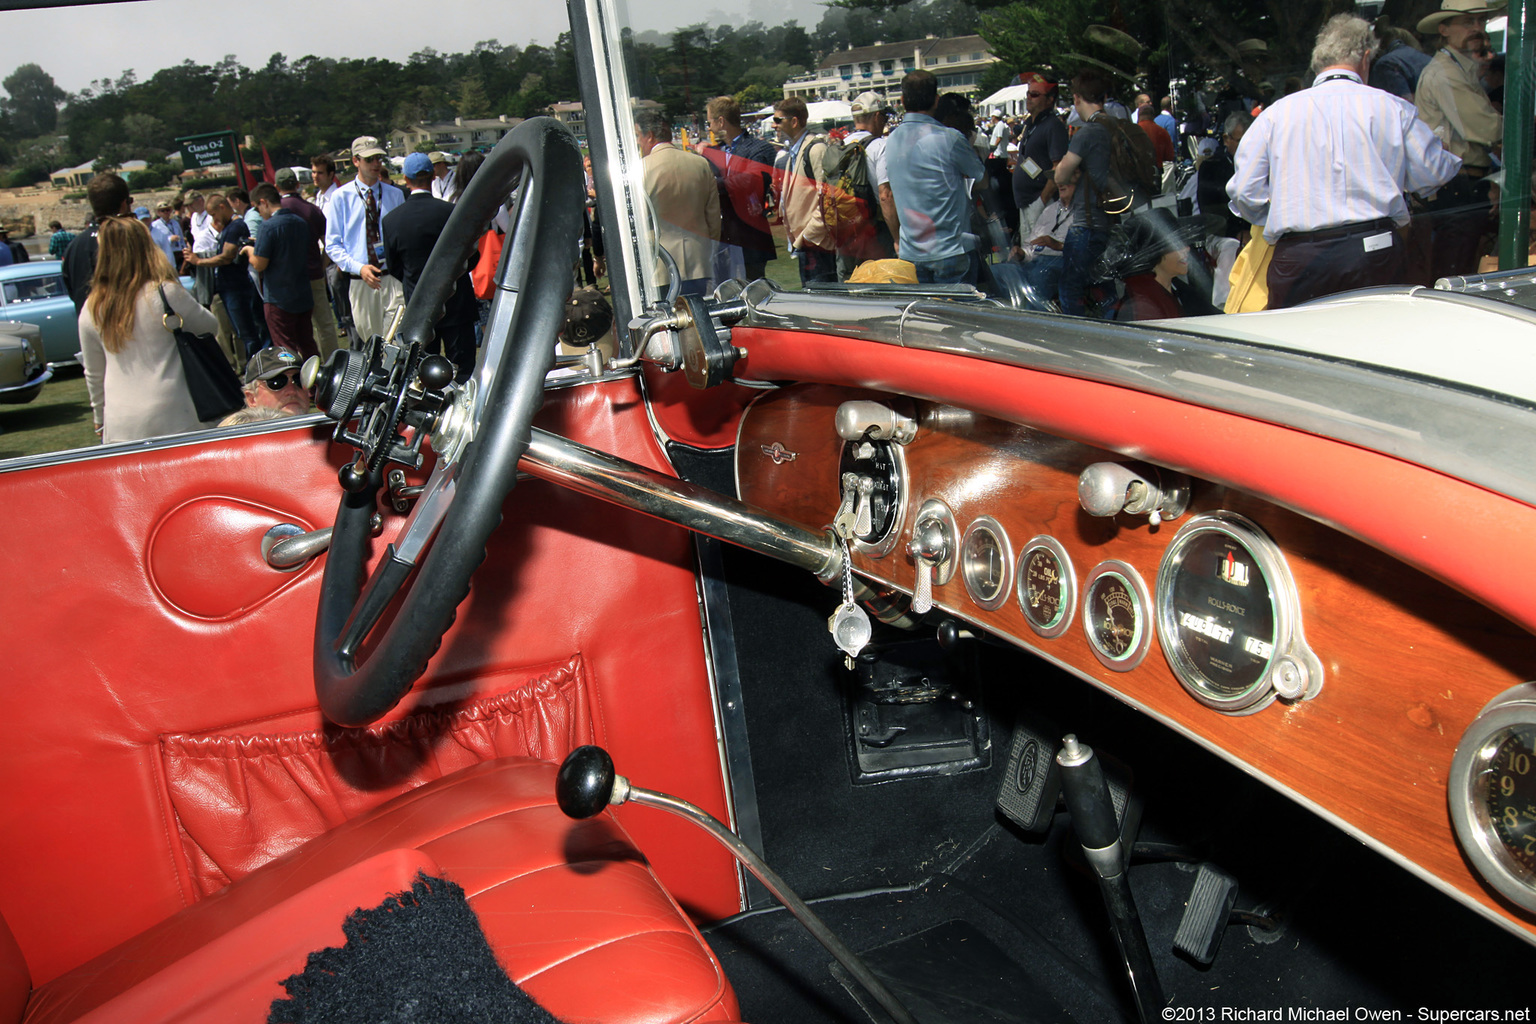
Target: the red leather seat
(573, 911)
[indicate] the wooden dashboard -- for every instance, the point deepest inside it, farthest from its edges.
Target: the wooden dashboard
(1408, 662)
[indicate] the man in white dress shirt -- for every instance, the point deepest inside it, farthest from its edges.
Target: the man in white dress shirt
(355, 242)
(1324, 171)
(443, 176)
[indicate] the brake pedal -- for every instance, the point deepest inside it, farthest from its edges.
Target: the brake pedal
(1206, 915)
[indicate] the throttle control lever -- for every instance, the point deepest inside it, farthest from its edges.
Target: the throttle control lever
(587, 783)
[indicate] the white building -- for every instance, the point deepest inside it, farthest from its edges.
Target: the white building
(958, 62)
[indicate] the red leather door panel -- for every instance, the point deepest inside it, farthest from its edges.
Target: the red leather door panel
(146, 612)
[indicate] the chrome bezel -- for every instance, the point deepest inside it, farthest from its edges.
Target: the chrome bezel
(1512, 709)
(1045, 542)
(887, 544)
(1291, 661)
(1142, 641)
(1005, 587)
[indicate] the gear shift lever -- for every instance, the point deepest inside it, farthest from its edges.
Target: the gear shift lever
(587, 783)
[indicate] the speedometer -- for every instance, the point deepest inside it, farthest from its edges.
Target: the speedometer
(1493, 794)
(1229, 617)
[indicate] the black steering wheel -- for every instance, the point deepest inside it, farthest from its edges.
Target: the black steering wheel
(359, 676)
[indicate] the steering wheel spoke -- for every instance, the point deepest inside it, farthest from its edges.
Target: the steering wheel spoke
(483, 432)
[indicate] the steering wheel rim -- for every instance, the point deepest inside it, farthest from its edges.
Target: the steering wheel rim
(356, 688)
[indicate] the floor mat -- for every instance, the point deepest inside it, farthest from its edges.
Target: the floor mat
(953, 974)
(954, 959)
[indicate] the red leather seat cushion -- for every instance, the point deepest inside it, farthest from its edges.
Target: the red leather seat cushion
(571, 908)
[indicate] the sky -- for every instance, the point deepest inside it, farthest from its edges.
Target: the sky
(81, 44)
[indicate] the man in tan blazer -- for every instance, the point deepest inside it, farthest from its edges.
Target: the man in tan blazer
(681, 187)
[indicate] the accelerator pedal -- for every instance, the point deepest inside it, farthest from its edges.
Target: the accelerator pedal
(1206, 915)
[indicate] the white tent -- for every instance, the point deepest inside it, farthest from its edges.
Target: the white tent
(821, 110)
(1011, 98)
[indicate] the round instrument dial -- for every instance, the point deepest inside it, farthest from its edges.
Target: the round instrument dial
(1047, 587)
(986, 562)
(1229, 618)
(1115, 607)
(1493, 794)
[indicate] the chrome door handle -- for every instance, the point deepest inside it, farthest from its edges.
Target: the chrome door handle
(287, 547)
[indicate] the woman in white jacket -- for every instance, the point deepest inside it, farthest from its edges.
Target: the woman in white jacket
(132, 365)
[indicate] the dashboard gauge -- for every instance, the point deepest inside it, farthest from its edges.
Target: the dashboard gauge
(1047, 588)
(1115, 615)
(986, 563)
(1493, 794)
(1229, 617)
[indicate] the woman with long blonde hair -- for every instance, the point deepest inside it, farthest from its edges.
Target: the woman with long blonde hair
(132, 365)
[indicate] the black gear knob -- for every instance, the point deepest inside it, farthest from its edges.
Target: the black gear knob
(585, 783)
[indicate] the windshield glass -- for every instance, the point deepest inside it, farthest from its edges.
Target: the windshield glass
(1131, 161)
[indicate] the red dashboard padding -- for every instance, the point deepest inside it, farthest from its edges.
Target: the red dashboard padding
(242, 799)
(573, 911)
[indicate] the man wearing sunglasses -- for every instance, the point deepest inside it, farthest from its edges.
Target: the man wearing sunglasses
(1042, 144)
(272, 382)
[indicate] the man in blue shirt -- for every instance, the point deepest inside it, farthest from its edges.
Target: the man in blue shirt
(166, 231)
(354, 242)
(931, 170)
(281, 255)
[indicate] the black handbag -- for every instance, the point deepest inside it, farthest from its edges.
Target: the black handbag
(216, 391)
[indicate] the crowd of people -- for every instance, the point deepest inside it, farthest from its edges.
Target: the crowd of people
(1376, 171)
(1379, 171)
(279, 276)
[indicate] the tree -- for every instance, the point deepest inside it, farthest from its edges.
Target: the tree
(34, 102)
(472, 100)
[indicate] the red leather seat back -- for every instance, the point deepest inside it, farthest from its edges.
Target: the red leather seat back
(146, 613)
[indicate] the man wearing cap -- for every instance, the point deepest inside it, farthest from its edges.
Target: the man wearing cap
(272, 382)
(355, 243)
(166, 231)
(930, 167)
(874, 240)
(279, 254)
(744, 174)
(410, 232)
(1452, 102)
(442, 175)
(1042, 144)
(1324, 171)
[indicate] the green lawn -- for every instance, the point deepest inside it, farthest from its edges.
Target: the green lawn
(55, 420)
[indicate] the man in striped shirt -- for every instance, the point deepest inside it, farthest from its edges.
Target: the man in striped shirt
(1324, 171)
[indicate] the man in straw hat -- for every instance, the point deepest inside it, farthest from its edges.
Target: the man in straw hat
(1452, 102)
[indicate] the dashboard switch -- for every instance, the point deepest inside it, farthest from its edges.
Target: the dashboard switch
(1109, 488)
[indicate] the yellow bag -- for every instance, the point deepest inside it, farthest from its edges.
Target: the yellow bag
(884, 272)
(1250, 275)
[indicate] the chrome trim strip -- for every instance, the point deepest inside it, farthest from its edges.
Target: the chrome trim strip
(169, 441)
(1467, 434)
(35, 382)
(730, 708)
